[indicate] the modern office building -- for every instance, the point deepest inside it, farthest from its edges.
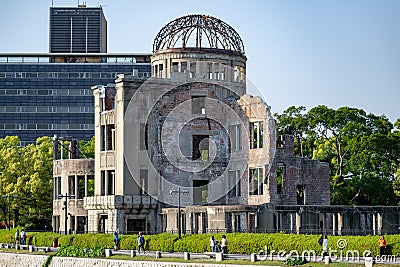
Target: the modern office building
(78, 30)
(41, 96)
(49, 93)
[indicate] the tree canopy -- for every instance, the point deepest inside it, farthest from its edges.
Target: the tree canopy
(363, 151)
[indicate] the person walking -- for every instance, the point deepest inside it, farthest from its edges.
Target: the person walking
(213, 244)
(116, 240)
(224, 245)
(23, 237)
(382, 246)
(141, 243)
(17, 237)
(325, 243)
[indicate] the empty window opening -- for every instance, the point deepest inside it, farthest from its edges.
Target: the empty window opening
(135, 225)
(235, 137)
(71, 185)
(301, 198)
(102, 223)
(200, 192)
(109, 136)
(257, 134)
(234, 179)
(200, 147)
(110, 183)
(237, 227)
(102, 138)
(143, 136)
(280, 177)
(103, 183)
(175, 66)
(256, 181)
(192, 67)
(198, 105)
(183, 67)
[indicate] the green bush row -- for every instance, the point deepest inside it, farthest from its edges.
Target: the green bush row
(239, 243)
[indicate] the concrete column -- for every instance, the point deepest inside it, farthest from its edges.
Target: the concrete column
(298, 222)
(374, 224)
(340, 223)
(291, 222)
(280, 221)
(334, 224)
(362, 222)
(379, 223)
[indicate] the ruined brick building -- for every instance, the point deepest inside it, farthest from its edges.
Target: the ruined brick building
(191, 137)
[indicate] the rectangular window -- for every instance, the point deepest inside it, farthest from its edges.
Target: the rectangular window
(301, 198)
(256, 181)
(110, 183)
(200, 147)
(236, 187)
(280, 177)
(90, 186)
(81, 186)
(198, 105)
(102, 138)
(235, 135)
(256, 134)
(144, 145)
(143, 182)
(71, 185)
(109, 143)
(237, 223)
(175, 66)
(103, 183)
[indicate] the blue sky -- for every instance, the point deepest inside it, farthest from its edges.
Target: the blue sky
(309, 52)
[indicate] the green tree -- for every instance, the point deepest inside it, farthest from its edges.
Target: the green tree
(87, 148)
(363, 151)
(27, 172)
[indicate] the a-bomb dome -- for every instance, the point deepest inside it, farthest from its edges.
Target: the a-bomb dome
(198, 31)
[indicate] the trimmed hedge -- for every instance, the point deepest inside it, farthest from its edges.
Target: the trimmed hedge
(239, 243)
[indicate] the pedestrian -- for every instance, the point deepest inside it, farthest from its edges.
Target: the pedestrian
(116, 241)
(382, 246)
(325, 247)
(17, 237)
(23, 237)
(224, 245)
(141, 243)
(213, 244)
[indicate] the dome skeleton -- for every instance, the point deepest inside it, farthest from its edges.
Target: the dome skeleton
(218, 33)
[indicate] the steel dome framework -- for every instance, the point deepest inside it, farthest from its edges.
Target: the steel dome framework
(218, 34)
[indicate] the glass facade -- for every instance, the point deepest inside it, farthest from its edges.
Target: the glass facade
(40, 98)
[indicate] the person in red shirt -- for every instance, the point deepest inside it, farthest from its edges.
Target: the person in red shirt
(382, 245)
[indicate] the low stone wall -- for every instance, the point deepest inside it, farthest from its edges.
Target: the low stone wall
(21, 260)
(25, 260)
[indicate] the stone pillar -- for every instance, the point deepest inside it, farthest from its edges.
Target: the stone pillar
(298, 222)
(340, 223)
(334, 224)
(281, 221)
(219, 256)
(362, 222)
(292, 222)
(374, 224)
(379, 223)
(186, 256)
